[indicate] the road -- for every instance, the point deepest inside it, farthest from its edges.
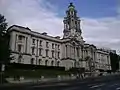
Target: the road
(95, 84)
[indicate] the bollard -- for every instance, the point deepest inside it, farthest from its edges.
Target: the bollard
(59, 77)
(42, 77)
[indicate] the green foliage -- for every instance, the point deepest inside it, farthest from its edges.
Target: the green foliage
(4, 42)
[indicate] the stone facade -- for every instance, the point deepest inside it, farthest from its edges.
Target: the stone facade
(29, 47)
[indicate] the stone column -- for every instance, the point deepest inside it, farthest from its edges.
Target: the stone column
(83, 53)
(68, 50)
(80, 52)
(72, 51)
(29, 44)
(25, 45)
(75, 52)
(16, 39)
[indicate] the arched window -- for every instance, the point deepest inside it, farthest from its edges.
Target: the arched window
(52, 63)
(46, 62)
(32, 61)
(58, 63)
(40, 61)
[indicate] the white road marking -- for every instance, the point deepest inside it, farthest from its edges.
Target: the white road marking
(118, 88)
(113, 85)
(97, 86)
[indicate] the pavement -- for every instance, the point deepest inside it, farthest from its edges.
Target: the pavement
(99, 83)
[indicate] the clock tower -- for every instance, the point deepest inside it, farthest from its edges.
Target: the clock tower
(72, 24)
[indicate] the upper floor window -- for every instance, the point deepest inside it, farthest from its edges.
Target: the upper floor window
(19, 48)
(20, 37)
(58, 54)
(40, 43)
(40, 51)
(52, 54)
(58, 47)
(33, 41)
(47, 44)
(46, 53)
(52, 45)
(33, 50)
(66, 50)
(55, 45)
(77, 52)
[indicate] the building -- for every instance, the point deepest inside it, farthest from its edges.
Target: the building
(29, 47)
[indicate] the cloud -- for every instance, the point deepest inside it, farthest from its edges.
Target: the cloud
(35, 14)
(42, 16)
(102, 31)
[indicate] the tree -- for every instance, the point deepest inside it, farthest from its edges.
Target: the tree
(114, 61)
(5, 53)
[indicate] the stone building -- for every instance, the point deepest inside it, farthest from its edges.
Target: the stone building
(30, 47)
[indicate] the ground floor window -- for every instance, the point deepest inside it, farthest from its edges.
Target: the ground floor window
(32, 61)
(58, 63)
(40, 61)
(52, 63)
(46, 62)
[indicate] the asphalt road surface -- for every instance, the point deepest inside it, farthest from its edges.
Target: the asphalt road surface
(70, 85)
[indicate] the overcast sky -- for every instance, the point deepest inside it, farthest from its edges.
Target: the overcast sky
(100, 19)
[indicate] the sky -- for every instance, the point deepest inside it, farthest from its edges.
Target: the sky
(100, 19)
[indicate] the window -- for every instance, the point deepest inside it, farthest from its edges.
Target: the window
(39, 61)
(19, 48)
(46, 53)
(55, 45)
(58, 54)
(52, 45)
(66, 50)
(20, 37)
(33, 50)
(52, 63)
(77, 52)
(32, 61)
(76, 22)
(40, 42)
(58, 63)
(40, 52)
(47, 44)
(46, 62)
(52, 54)
(33, 41)
(58, 47)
